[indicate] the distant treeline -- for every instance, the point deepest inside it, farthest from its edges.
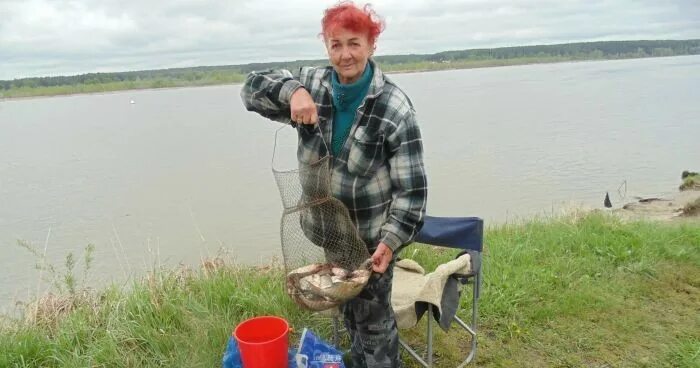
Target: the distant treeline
(210, 75)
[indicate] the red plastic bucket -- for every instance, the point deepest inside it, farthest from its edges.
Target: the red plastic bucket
(263, 342)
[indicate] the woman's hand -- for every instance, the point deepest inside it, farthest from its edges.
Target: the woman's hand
(303, 108)
(381, 258)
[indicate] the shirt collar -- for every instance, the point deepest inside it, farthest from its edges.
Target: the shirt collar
(376, 86)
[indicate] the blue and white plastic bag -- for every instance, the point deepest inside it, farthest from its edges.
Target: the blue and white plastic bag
(316, 353)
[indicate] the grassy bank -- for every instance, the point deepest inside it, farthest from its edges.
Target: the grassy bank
(231, 76)
(690, 182)
(692, 208)
(219, 79)
(455, 59)
(588, 291)
(471, 64)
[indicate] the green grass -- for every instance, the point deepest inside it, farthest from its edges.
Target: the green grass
(587, 291)
(690, 182)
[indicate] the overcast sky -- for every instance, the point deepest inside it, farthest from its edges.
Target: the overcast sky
(61, 37)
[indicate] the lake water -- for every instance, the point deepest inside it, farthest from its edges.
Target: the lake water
(182, 173)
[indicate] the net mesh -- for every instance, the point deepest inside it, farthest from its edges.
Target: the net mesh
(326, 261)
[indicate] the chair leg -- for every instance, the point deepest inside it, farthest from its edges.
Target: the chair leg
(471, 329)
(413, 354)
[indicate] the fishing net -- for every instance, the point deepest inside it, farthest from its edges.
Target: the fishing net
(325, 259)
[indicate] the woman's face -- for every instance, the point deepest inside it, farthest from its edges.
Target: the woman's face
(348, 52)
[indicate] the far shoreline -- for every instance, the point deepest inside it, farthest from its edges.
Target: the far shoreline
(440, 68)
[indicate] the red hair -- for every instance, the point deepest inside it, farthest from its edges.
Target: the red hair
(347, 15)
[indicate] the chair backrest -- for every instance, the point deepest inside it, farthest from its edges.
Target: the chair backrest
(454, 232)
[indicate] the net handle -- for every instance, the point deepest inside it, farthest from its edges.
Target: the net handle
(298, 128)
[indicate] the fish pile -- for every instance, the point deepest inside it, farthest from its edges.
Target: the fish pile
(321, 286)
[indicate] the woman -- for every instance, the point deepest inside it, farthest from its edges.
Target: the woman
(377, 158)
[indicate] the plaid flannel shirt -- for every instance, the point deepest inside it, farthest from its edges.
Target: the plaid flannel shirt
(379, 173)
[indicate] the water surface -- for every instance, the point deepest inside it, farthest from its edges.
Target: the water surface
(184, 172)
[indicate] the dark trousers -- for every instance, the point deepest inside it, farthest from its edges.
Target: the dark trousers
(370, 321)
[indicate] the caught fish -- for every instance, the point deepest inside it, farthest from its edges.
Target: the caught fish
(322, 286)
(340, 272)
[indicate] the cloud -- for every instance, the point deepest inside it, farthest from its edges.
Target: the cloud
(55, 37)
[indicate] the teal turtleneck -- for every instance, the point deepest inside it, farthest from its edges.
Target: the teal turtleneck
(346, 99)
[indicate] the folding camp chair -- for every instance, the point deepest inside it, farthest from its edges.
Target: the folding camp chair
(465, 233)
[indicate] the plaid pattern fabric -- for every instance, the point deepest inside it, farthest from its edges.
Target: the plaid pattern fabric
(379, 173)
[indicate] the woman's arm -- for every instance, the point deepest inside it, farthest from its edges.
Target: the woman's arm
(269, 93)
(278, 95)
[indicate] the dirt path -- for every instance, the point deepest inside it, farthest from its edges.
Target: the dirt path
(665, 208)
